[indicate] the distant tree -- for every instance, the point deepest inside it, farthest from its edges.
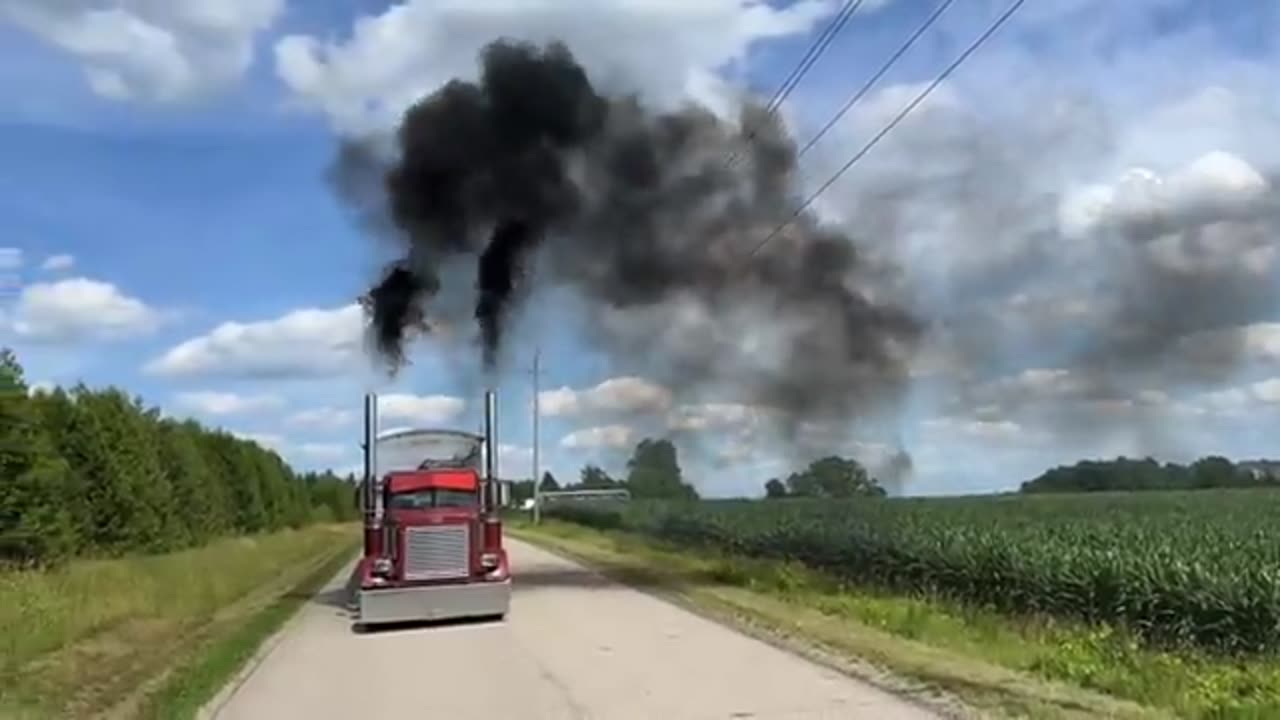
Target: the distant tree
(191, 482)
(144, 424)
(595, 478)
(35, 525)
(833, 477)
(521, 490)
(1128, 474)
(654, 472)
(57, 413)
(1215, 471)
(246, 487)
(119, 473)
(775, 488)
(548, 482)
(273, 484)
(331, 496)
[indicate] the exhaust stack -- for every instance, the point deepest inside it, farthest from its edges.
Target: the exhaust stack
(491, 450)
(373, 506)
(372, 499)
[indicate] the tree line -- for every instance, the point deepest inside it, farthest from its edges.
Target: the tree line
(1131, 474)
(653, 473)
(96, 472)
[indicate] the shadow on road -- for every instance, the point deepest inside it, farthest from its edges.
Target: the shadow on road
(540, 578)
(335, 597)
(386, 628)
(546, 577)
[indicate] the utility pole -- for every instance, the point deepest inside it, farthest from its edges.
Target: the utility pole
(537, 479)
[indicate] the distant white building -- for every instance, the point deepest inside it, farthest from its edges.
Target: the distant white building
(1260, 469)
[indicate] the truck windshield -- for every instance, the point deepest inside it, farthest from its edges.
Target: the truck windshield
(432, 498)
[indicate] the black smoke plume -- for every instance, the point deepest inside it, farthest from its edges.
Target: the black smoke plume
(641, 214)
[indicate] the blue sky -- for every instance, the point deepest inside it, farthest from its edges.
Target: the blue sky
(186, 184)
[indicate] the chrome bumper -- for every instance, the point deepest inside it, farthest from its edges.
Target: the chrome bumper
(433, 602)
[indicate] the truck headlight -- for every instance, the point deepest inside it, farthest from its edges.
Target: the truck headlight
(382, 566)
(489, 560)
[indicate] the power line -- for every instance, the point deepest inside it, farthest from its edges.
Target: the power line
(937, 13)
(814, 54)
(1008, 13)
(537, 480)
(811, 57)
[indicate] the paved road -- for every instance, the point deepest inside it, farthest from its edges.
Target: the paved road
(574, 646)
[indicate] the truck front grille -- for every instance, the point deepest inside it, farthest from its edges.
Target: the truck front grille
(437, 552)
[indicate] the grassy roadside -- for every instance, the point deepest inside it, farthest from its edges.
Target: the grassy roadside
(964, 660)
(154, 635)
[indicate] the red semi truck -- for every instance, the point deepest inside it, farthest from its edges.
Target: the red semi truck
(432, 532)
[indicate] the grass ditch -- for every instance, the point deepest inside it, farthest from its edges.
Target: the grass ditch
(965, 661)
(152, 635)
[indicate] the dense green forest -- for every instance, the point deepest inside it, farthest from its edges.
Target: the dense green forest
(1147, 474)
(97, 472)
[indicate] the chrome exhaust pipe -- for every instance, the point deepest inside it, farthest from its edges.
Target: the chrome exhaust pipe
(372, 496)
(491, 449)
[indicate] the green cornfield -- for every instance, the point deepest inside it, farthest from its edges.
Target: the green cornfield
(1180, 569)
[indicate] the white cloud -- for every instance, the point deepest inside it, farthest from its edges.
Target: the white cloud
(717, 416)
(1241, 401)
(604, 436)
(1044, 382)
(41, 386)
(1217, 185)
(303, 455)
(304, 342)
(413, 47)
(1059, 393)
(307, 454)
(737, 450)
(620, 394)
(981, 431)
(1268, 391)
(327, 418)
(323, 451)
(554, 403)
(420, 409)
(514, 460)
(1227, 401)
(227, 403)
(55, 263)
(81, 309)
(151, 50)
(1262, 341)
(1255, 343)
(11, 258)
